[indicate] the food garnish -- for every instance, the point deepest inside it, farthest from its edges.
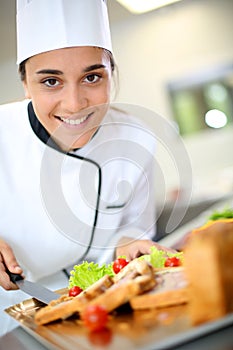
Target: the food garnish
(95, 317)
(74, 291)
(157, 257)
(172, 262)
(87, 273)
(226, 213)
(119, 264)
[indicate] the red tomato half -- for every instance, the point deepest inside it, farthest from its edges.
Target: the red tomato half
(118, 264)
(95, 317)
(75, 290)
(172, 262)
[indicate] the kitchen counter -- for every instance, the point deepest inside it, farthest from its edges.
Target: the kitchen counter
(199, 207)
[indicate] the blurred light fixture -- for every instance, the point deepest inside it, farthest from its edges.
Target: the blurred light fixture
(141, 6)
(215, 118)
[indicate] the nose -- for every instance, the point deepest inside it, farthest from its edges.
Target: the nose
(74, 99)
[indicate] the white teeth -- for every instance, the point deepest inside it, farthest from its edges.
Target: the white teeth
(73, 121)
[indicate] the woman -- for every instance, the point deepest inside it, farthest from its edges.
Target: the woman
(76, 175)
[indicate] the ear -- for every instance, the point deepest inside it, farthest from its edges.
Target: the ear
(26, 90)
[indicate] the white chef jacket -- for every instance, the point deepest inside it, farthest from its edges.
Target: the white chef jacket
(58, 209)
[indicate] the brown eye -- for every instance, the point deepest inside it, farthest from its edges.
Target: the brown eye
(92, 78)
(51, 82)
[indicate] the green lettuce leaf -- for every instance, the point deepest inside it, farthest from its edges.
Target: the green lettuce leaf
(87, 273)
(158, 257)
(226, 213)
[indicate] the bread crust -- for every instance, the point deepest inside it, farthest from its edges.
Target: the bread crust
(170, 289)
(208, 262)
(109, 292)
(123, 291)
(137, 283)
(66, 306)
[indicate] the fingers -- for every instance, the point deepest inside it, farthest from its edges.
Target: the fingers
(7, 259)
(165, 249)
(140, 247)
(133, 249)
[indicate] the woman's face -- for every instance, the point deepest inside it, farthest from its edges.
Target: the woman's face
(70, 92)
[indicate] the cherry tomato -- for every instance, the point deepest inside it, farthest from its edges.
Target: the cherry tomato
(75, 290)
(118, 264)
(172, 261)
(95, 317)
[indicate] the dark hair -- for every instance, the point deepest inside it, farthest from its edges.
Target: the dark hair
(22, 70)
(112, 61)
(22, 65)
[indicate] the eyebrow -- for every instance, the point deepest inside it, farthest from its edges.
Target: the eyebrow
(49, 71)
(58, 72)
(94, 67)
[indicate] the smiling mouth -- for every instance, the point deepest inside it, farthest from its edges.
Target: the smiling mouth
(75, 121)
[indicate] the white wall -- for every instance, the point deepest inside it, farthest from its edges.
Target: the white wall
(159, 47)
(152, 50)
(155, 48)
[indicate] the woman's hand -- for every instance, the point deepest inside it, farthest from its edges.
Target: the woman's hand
(134, 248)
(7, 259)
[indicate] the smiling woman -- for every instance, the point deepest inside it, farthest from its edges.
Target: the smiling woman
(76, 174)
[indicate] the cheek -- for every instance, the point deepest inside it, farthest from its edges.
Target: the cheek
(102, 95)
(43, 103)
(43, 108)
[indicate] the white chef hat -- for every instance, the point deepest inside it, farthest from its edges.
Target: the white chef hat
(44, 25)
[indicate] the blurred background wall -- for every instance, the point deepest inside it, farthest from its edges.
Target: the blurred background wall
(175, 42)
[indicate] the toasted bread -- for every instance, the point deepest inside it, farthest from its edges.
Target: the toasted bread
(137, 277)
(123, 291)
(208, 262)
(66, 306)
(135, 268)
(170, 289)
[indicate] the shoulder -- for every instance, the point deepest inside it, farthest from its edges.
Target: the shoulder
(125, 116)
(119, 115)
(130, 127)
(13, 118)
(13, 108)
